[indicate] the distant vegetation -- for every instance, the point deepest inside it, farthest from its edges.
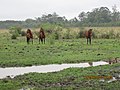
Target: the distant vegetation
(97, 17)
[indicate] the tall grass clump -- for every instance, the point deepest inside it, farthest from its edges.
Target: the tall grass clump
(81, 33)
(15, 31)
(23, 33)
(57, 32)
(106, 32)
(66, 34)
(51, 39)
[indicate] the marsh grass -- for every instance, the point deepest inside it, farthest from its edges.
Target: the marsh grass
(18, 53)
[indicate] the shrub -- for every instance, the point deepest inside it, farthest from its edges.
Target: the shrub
(94, 35)
(15, 29)
(67, 34)
(81, 34)
(14, 36)
(23, 33)
(51, 39)
(111, 34)
(56, 35)
(105, 35)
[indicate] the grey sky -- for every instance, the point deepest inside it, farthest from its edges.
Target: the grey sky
(23, 9)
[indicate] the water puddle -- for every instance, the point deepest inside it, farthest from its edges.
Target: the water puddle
(113, 79)
(14, 71)
(109, 81)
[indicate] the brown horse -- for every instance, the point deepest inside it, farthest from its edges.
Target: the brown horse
(29, 36)
(41, 36)
(88, 35)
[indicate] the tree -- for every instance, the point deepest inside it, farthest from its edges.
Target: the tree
(115, 14)
(98, 15)
(82, 16)
(105, 14)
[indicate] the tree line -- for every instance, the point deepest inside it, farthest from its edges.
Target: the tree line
(97, 17)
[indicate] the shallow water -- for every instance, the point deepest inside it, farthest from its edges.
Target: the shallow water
(113, 79)
(14, 71)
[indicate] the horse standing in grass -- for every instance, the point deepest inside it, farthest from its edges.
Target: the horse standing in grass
(41, 36)
(88, 35)
(29, 36)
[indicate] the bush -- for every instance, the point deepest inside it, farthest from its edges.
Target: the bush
(18, 29)
(111, 34)
(67, 34)
(81, 34)
(105, 35)
(94, 35)
(56, 35)
(51, 39)
(23, 33)
(14, 36)
(15, 31)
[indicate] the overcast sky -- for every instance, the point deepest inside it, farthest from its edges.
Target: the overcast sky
(23, 9)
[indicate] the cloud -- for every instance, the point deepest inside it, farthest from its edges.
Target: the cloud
(21, 9)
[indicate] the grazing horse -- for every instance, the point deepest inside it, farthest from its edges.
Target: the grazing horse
(29, 36)
(88, 35)
(41, 36)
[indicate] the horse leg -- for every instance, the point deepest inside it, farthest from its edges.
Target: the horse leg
(44, 40)
(39, 40)
(28, 40)
(32, 40)
(90, 40)
(87, 40)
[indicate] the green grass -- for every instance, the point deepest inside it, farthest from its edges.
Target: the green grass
(18, 53)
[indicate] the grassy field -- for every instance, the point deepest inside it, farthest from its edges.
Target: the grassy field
(18, 53)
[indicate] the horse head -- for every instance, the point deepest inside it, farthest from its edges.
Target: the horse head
(41, 35)
(29, 36)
